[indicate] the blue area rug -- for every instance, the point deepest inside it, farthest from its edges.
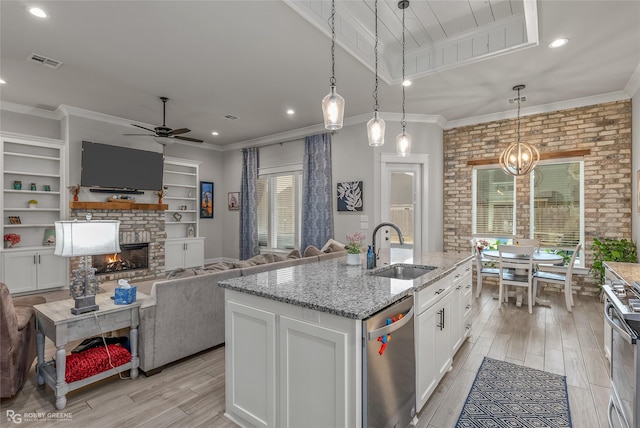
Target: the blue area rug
(508, 395)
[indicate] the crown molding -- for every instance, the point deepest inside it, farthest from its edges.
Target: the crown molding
(633, 85)
(543, 108)
(32, 111)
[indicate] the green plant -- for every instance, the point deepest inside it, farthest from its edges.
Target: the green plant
(32, 201)
(354, 243)
(612, 250)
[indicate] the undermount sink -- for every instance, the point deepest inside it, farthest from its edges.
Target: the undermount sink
(403, 271)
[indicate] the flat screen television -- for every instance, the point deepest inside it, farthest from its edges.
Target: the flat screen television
(114, 167)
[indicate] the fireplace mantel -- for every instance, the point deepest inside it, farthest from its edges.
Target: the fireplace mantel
(116, 206)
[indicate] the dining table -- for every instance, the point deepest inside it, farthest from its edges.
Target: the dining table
(539, 257)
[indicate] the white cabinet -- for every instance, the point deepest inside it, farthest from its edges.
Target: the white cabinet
(461, 305)
(32, 170)
(433, 344)
(28, 270)
(183, 253)
(180, 180)
(288, 366)
(250, 359)
(442, 324)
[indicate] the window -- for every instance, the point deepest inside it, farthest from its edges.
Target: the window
(556, 200)
(279, 210)
(557, 218)
(493, 203)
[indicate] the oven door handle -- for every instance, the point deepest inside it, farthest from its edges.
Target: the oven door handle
(623, 332)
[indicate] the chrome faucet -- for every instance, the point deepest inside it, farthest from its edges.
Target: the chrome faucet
(373, 238)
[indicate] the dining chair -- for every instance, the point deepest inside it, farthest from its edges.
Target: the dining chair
(518, 259)
(527, 242)
(560, 279)
(482, 271)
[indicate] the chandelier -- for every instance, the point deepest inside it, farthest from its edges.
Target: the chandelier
(375, 126)
(519, 158)
(403, 140)
(333, 103)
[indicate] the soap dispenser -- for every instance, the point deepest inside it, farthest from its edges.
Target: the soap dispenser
(370, 258)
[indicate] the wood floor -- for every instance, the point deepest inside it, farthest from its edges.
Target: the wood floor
(190, 393)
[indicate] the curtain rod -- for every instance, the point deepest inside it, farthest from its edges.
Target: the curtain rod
(290, 140)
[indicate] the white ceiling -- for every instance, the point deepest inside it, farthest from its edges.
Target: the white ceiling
(255, 59)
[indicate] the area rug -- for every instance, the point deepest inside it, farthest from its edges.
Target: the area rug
(508, 395)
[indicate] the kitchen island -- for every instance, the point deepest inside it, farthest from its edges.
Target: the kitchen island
(294, 336)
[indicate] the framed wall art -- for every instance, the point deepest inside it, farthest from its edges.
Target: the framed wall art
(350, 196)
(206, 199)
(234, 201)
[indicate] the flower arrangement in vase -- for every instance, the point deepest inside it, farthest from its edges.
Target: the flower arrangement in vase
(75, 191)
(354, 247)
(11, 239)
(161, 193)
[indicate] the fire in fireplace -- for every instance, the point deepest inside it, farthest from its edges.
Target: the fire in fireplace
(130, 257)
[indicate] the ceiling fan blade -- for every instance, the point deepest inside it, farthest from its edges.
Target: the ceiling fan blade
(179, 131)
(148, 135)
(193, 140)
(139, 126)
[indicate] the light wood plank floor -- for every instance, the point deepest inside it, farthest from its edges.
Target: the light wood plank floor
(190, 393)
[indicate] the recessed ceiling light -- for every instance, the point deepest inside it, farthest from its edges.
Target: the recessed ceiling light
(2, 81)
(36, 11)
(215, 133)
(558, 42)
(290, 112)
(407, 83)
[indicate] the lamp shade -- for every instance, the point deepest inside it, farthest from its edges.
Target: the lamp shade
(86, 238)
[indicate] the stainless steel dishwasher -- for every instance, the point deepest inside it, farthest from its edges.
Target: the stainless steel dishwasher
(389, 367)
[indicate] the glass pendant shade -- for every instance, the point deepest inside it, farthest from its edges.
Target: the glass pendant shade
(375, 130)
(403, 144)
(519, 159)
(333, 110)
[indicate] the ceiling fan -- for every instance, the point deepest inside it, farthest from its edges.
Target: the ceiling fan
(163, 134)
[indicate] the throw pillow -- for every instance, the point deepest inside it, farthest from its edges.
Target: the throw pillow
(295, 254)
(311, 251)
(333, 247)
(181, 273)
(242, 264)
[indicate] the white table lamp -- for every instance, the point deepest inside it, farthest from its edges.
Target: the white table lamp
(84, 239)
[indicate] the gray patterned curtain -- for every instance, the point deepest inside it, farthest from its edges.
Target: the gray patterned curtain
(248, 205)
(317, 206)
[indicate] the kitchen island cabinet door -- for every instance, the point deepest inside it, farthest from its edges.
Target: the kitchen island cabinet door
(313, 380)
(433, 356)
(250, 355)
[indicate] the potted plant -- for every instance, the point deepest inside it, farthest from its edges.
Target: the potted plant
(612, 250)
(75, 191)
(33, 203)
(354, 247)
(11, 239)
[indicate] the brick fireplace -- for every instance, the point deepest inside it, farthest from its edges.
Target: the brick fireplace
(142, 227)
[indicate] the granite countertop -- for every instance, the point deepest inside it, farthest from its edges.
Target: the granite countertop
(348, 291)
(628, 272)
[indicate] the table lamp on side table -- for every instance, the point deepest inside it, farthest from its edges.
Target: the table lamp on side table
(83, 239)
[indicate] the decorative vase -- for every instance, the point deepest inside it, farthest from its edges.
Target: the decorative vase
(8, 244)
(353, 259)
(159, 200)
(33, 205)
(75, 198)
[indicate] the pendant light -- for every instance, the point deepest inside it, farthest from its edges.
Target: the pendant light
(519, 158)
(333, 103)
(403, 140)
(375, 126)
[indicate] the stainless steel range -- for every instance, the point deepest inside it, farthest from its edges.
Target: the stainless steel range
(622, 313)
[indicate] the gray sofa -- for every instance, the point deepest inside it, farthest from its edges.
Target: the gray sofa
(183, 316)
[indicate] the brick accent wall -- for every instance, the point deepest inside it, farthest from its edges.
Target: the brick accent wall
(605, 129)
(136, 226)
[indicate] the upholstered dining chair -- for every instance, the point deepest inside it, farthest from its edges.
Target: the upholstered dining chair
(559, 279)
(17, 339)
(516, 269)
(482, 271)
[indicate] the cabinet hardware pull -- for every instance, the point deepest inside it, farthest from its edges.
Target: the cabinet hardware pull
(458, 287)
(440, 291)
(39, 261)
(443, 318)
(468, 307)
(34, 259)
